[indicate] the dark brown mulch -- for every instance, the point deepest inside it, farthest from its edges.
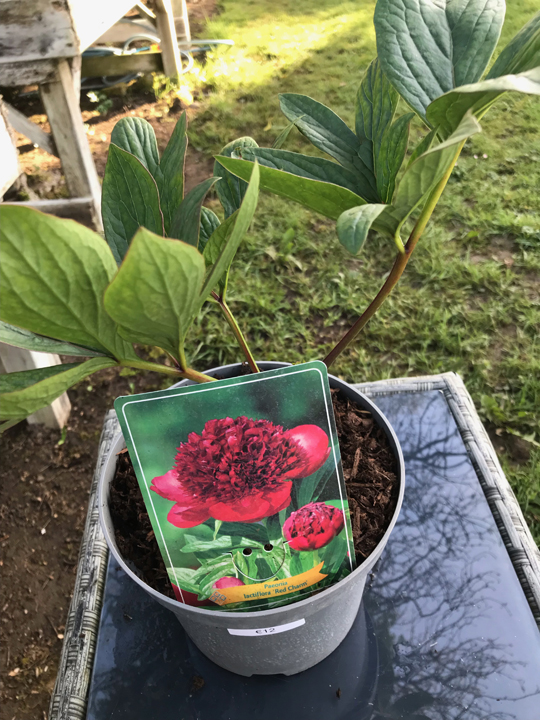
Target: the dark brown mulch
(369, 468)
(133, 529)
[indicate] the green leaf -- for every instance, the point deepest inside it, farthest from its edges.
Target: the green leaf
(328, 199)
(209, 224)
(187, 218)
(281, 139)
(25, 392)
(428, 47)
(423, 146)
(322, 127)
(241, 225)
(52, 279)
(155, 295)
(232, 189)
(12, 335)
(353, 225)
(137, 136)
(425, 172)
(448, 110)
(184, 578)
(221, 543)
(334, 554)
(171, 181)
(314, 168)
(383, 142)
(522, 52)
(376, 103)
(213, 249)
(306, 488)
(130, 200)
(252, 531)
(391, 154)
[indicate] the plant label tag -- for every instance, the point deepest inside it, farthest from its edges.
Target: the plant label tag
(261, 632)
(243, 485)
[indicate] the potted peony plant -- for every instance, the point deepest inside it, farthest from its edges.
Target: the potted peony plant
(66, 290)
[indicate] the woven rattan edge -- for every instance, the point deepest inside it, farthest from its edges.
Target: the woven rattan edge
(68, 701)
(522, 549)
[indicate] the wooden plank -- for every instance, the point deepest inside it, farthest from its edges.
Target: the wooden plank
(33, 132)
(20, 73)
(62, 107)
(80, 209)
(44, 29)
(172, 63)
(181, 20)
(16, 359)
(36, 30)
(109, 65)
(9, 167)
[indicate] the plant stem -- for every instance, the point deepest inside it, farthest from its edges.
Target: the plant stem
(237, 332)
(191, 374)
(187, 373)
(397, 269)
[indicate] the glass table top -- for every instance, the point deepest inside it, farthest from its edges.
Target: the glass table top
(444, 631)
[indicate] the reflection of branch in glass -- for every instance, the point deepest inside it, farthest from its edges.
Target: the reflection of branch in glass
(439, 599)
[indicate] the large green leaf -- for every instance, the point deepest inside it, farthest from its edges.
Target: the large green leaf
(447, 111)
(171, 180)
(25, 392)
(232, 189)
(376, 103)
(314, 168)
(329, 133)
(233, 239)
(330, 200)
(136, 136)
(322, 127)
(425, 172)
(209, 224)
(391, 154)
(522, 52)
(423, 146)
(383, 142)
(213, 249)
(353, 225)
(428, 47)
(52, 279)
(155, 295)
(130, 200)
(187, 218)
(16, 336)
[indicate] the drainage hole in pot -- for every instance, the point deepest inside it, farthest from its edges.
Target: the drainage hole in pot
(247, 551)
(268, 547)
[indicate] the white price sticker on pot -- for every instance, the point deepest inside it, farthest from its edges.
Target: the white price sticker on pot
(260, 632)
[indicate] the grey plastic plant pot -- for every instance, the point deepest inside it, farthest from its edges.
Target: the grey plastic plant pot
(287, 639)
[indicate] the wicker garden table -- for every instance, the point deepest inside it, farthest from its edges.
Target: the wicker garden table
(447, 630)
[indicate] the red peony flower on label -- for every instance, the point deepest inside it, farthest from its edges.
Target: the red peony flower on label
(239, 470)
(313, 526)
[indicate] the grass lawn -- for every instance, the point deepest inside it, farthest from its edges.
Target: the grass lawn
(469, 299)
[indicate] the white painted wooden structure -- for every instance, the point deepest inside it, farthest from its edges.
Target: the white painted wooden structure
(41, 41)
(14, 359)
